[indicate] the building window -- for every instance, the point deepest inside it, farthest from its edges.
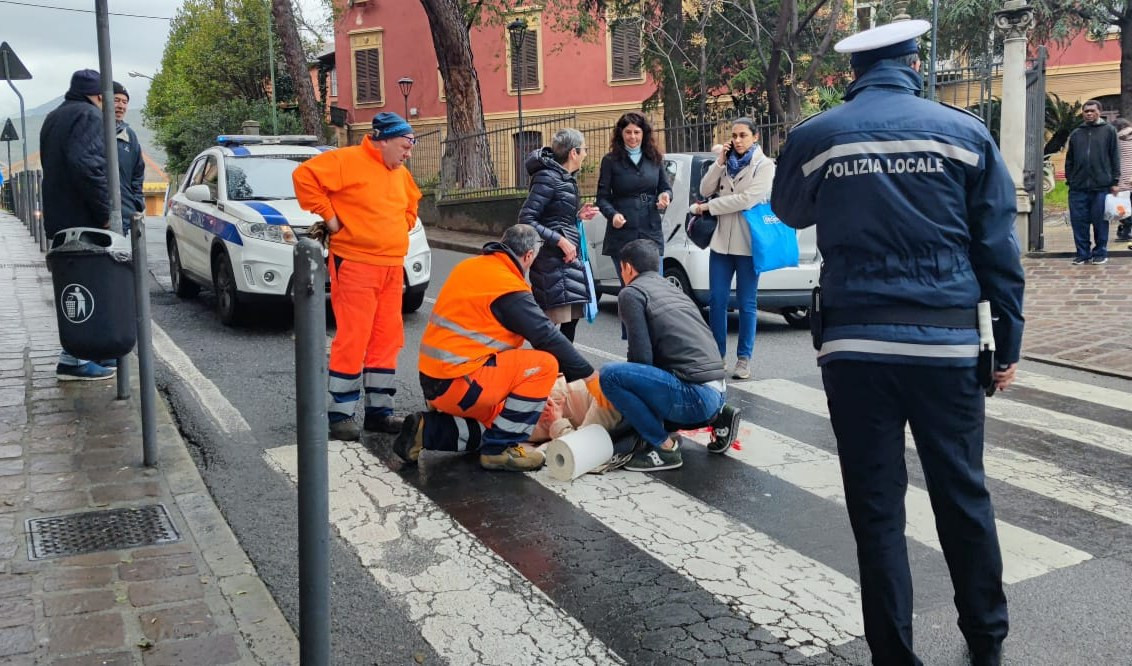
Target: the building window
(367, 57)
(625, 50)
(524, 64)
(866, 15)
(334, 82)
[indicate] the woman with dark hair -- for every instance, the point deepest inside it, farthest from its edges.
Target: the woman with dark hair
(740, 177)
(632, 187)
(553, 206)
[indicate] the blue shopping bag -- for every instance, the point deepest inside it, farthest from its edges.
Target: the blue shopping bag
(773, 244)
(590, 309)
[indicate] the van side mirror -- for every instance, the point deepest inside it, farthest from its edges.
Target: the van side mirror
(199, 194)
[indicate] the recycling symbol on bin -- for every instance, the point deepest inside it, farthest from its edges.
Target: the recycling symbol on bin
(78, 303)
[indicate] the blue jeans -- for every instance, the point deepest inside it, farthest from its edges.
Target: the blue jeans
(1086, 211)
(647, 396)
(720, 269)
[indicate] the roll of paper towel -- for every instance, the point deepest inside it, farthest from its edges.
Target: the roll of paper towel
(578, 452)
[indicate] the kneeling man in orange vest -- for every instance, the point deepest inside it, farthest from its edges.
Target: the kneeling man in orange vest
(486, 392)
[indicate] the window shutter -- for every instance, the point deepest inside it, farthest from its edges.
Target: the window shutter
(367, 75)
(525, 60)
(625, 50)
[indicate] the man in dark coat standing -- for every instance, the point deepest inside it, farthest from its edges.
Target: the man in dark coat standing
(131, 165)
(1092, 171)
(75, 193)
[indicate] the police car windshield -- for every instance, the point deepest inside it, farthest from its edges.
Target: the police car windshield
(261, 177)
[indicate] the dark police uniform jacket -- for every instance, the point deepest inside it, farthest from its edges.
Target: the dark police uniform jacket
(914, 210)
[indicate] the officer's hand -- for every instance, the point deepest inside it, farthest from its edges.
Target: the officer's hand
(1004, 378)
(593, 385)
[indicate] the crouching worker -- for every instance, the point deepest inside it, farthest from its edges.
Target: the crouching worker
(674, 371)
(486, 392)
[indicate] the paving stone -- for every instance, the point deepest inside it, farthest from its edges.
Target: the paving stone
(180, 588)
(12, 397)
(10, 467)
(123, 474)
(11, 450)
(60, 501)
(12, 585)
(206, 650)
(124, 492)
(16, 640)
(11, 484)
(162, 551)
(47, 483)
(101, 659)
(158, 567)
(16, 611)
(56, 405)
(82, 633)
(51, 463)
(77, 579)
(56, 418)
(112, 458)
(91, 559)
(53, 445)
(78, 602)
(177, 622)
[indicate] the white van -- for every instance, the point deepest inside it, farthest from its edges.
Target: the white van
(785, 291)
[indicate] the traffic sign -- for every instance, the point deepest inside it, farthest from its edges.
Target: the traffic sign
(11, 69)
(9, 133)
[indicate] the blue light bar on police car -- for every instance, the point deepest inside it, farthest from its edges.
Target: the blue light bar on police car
(265, 140)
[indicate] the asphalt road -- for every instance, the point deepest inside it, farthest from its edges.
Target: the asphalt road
(1073, 614)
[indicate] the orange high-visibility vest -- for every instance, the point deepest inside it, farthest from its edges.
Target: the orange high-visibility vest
(462, 333)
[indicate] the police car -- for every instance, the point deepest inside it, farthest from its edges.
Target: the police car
(786, 291)
(234, 220)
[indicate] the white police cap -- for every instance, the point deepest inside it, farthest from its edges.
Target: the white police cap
(882, 36)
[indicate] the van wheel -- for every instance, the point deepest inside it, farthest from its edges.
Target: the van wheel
(797, 318)
(183, 287)
(227, 298)
(678, 278)
(411, 301)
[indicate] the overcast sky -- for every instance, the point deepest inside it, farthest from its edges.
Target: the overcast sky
(53, 43)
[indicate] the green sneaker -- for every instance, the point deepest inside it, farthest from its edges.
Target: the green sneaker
(655, 459)
(513, 459)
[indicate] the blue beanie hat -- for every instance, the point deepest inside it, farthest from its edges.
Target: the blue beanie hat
(387, 125)
(86, 82)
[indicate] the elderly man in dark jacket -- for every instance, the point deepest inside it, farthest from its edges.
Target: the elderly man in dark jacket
(74, 160)
(553, 206)
(74, 183)
(131, 165)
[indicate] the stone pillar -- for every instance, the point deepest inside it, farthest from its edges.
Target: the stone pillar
(250, 127)
(1014, 22)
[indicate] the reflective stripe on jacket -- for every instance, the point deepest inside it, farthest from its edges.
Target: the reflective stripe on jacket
(462, 332)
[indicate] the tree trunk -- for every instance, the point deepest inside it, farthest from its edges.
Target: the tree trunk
(1126, 64)
(297, 66)
(778, 45)
(467, 155)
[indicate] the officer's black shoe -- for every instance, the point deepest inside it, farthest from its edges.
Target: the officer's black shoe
(724, 429)
(410, 441)
(386, 423)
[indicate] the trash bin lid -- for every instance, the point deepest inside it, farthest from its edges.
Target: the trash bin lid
(88, 240)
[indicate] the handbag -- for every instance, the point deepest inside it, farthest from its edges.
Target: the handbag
(590, 308)
(773, 244)
(700, 228)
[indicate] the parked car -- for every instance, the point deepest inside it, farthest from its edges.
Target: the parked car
(233, 222)
(785, 291)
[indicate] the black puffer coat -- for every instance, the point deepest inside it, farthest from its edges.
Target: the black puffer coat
(74, 166)
(552, 209)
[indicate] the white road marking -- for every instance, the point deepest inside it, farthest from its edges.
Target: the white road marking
(212, 401)
(1079, 390)
(804, 603)
(1085, 431)
(469, 604)
(1025, 554)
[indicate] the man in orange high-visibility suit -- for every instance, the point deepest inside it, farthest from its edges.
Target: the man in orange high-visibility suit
(368, 202)
(487, 393)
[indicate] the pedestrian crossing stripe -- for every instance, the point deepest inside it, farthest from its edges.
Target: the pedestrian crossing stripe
(804, 603)
(1007, 465)
(1068, 426)
(467, 602)
(1098, 395)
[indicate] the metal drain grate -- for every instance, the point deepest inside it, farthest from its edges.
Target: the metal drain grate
(91, 531)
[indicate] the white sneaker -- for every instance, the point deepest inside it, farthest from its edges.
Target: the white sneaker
(742, 368)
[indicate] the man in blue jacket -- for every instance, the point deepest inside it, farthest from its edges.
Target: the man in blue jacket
(914, 210)
(1092, 169)
(131, 164)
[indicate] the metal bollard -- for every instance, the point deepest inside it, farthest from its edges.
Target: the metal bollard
(308, 287)
(145, 342)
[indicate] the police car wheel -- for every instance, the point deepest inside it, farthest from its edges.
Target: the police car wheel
(183, 287)
(797, 318)
(679, 279)
(411, 301)
(227, 298)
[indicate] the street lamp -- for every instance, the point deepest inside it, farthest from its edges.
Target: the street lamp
(518, 31)
(405, 84)
(136, 75)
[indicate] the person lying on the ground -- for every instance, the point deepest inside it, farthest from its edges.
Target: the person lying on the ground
(485, 392)
(674, 371)
(570, 406)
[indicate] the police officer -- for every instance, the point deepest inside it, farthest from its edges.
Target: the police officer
(929, 236)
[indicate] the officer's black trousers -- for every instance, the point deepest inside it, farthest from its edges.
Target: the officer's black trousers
(869, 405)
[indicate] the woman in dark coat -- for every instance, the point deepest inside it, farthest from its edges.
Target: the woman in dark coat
(632, 187)
(553, 207)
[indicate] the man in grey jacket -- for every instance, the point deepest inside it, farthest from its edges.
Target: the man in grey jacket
(1092, 170)
(131, 164)
(674, 371)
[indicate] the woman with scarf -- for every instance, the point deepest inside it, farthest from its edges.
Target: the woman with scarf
(740, 178)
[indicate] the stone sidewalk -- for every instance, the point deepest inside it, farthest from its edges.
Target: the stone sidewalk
(1076, 316)
(71, 447)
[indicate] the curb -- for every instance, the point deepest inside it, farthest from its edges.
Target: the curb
(467, 247)
(1073, 365)
(261, 624)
